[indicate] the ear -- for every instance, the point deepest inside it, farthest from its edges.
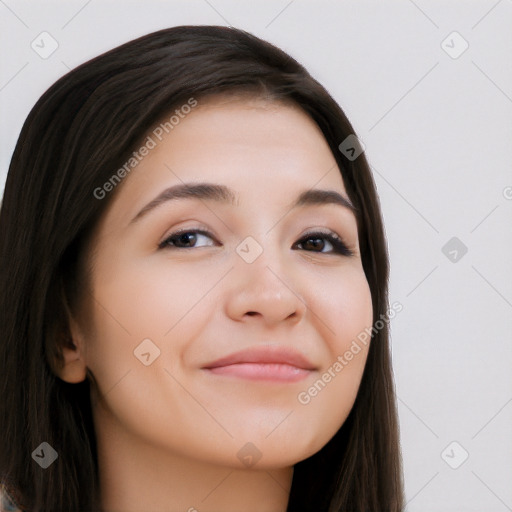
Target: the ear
(72, 367)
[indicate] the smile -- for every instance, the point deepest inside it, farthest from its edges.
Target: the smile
(263, 363)
(262, 371)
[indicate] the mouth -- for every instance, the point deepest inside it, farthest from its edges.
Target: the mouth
(278, 365)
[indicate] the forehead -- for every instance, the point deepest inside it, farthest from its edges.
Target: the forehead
(261, 149)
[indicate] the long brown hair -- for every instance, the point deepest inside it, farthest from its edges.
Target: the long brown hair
(78, 133)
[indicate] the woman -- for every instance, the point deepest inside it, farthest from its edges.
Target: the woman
(194, 276)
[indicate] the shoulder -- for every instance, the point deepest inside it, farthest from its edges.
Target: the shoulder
(7, 503)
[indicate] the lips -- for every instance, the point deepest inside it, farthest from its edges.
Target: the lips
(263, 363)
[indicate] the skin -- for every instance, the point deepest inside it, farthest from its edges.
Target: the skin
(169, 433)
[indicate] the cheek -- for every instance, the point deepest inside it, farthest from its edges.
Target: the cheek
(345, 315)
(134, 302)
(138, 310)
(149, 299)
(343, 307)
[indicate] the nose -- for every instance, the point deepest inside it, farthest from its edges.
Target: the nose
(262, 291)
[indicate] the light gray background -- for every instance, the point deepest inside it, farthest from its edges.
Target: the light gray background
(438, 135)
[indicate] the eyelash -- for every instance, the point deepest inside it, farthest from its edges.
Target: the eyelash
(339, 246)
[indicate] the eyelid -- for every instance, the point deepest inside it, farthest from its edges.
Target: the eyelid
(195, 227)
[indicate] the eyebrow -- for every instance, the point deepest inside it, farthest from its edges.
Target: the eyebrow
(223, 194)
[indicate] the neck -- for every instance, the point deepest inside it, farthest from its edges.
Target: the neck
(135, 476)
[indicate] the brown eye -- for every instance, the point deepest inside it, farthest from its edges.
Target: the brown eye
(184, 239)
(317, 241)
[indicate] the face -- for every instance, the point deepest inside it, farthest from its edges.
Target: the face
(226, 318)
